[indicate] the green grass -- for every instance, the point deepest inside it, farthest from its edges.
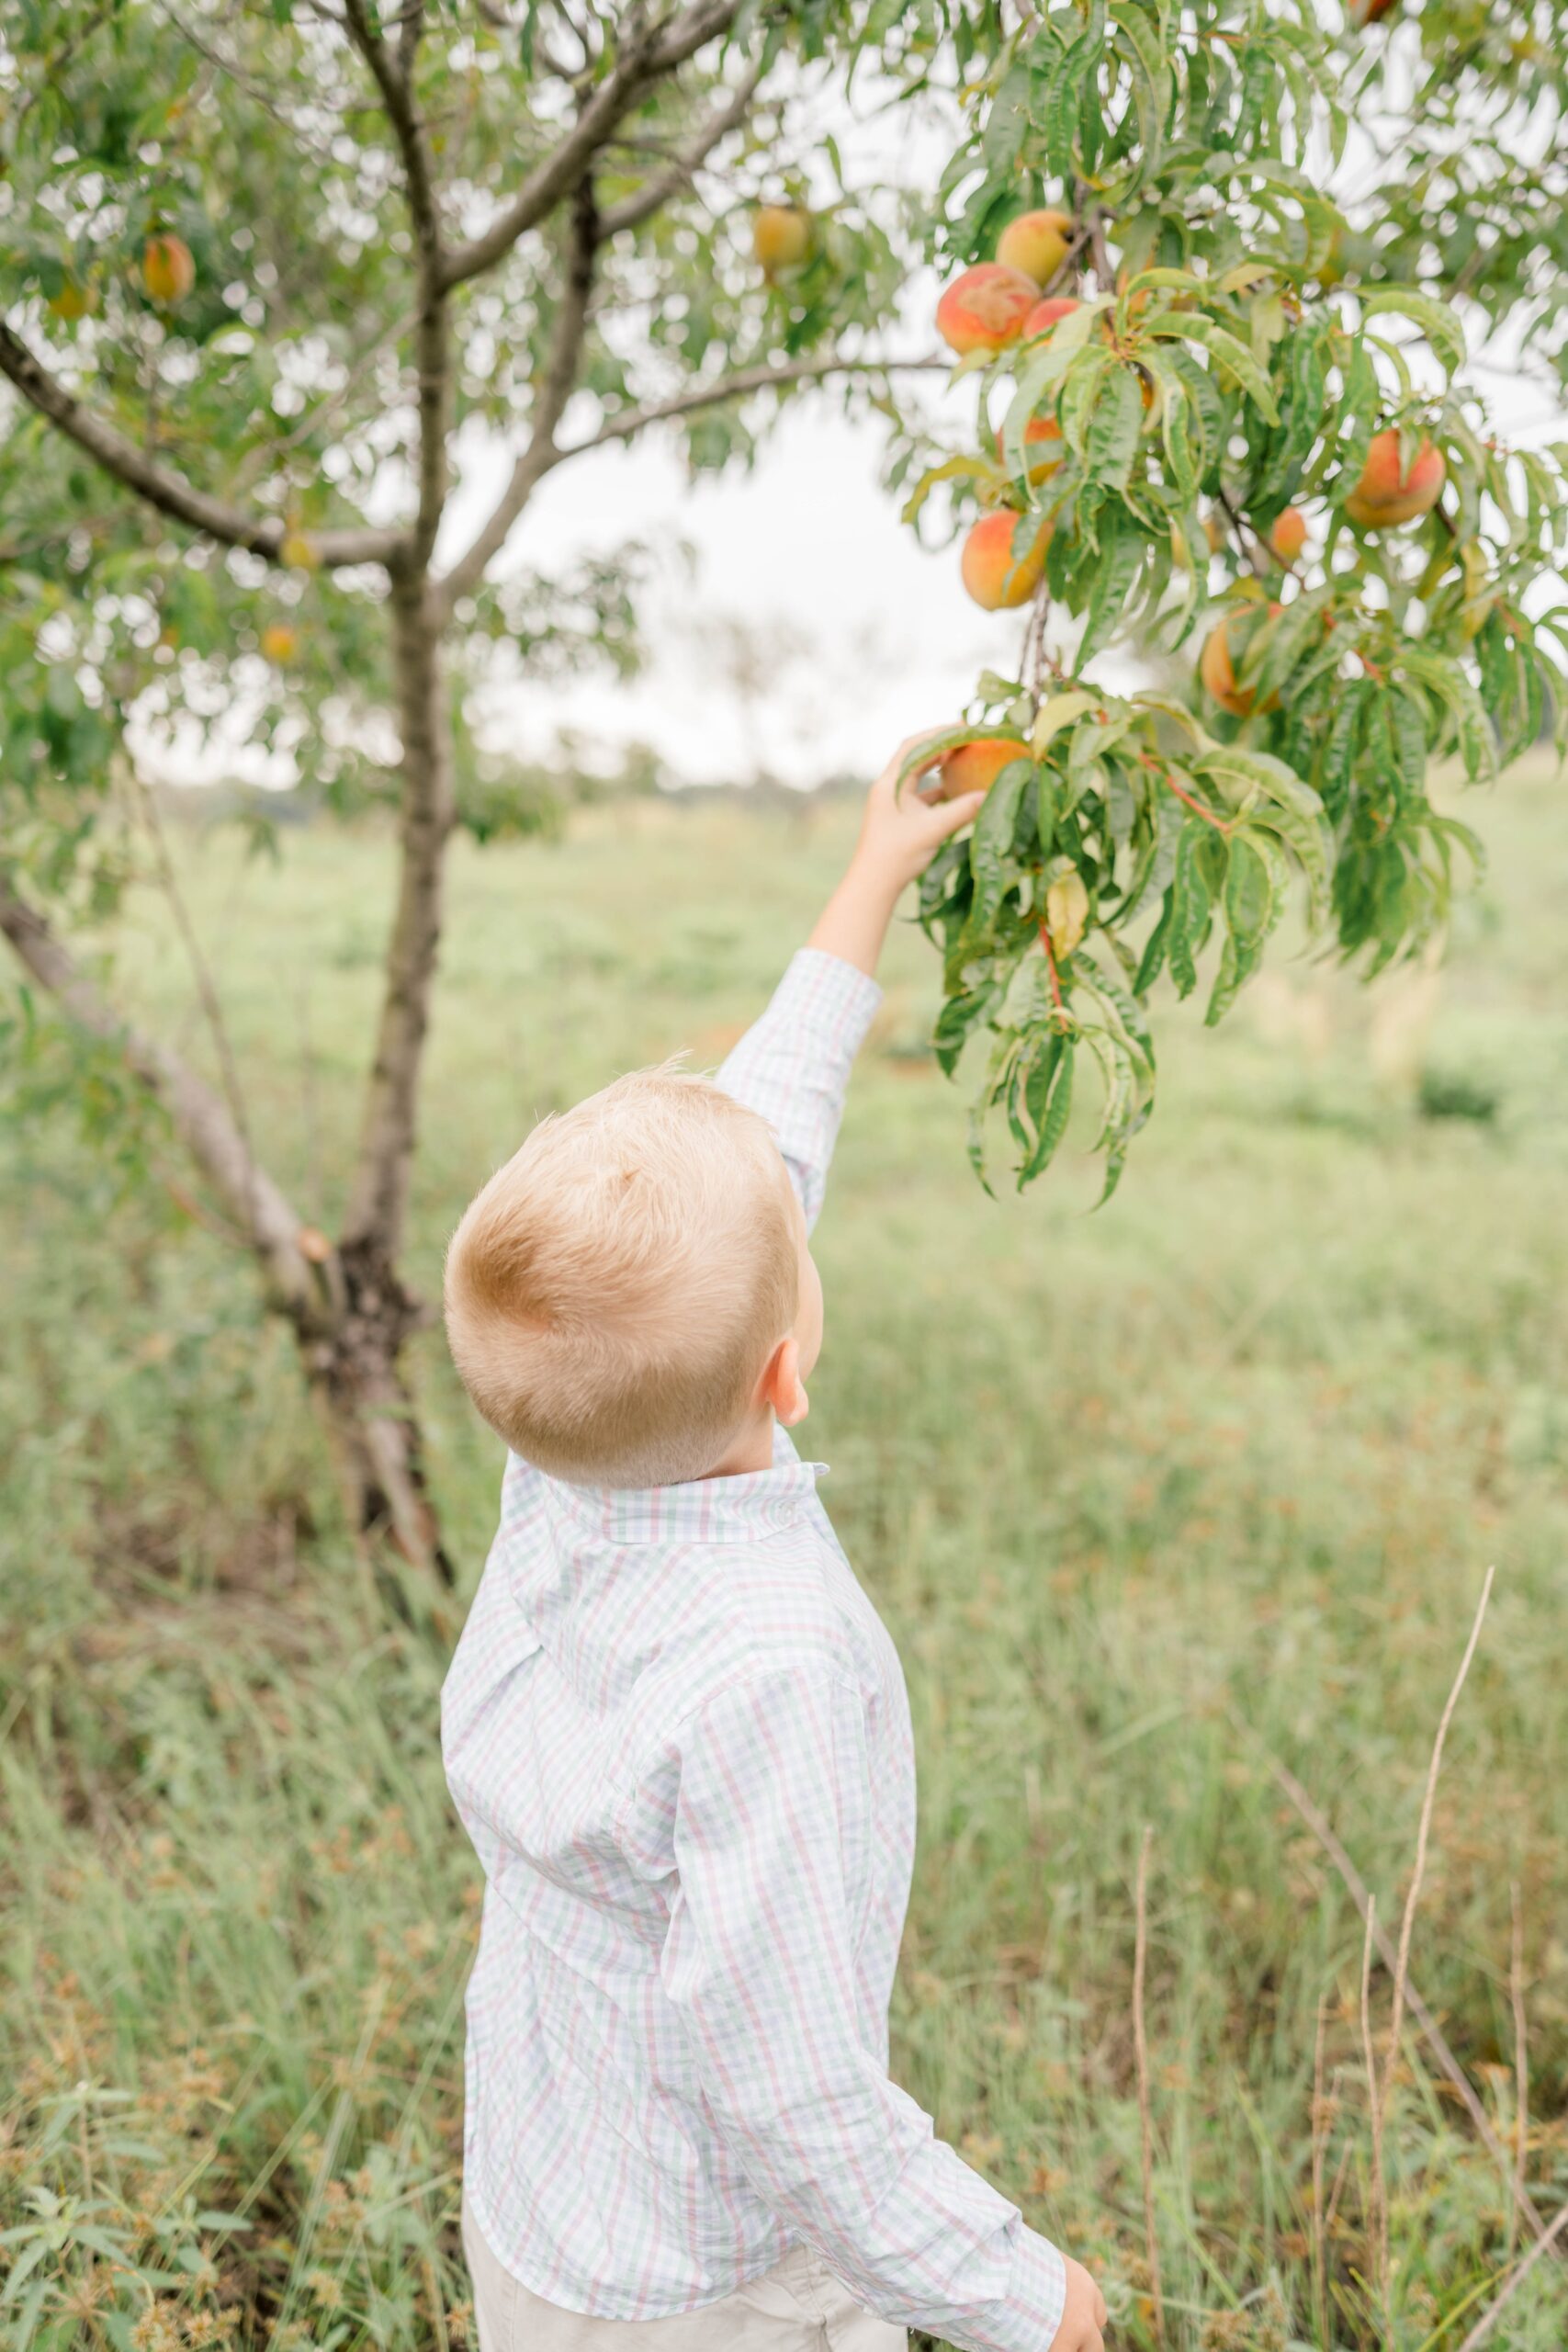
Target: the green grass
(1235, 1452)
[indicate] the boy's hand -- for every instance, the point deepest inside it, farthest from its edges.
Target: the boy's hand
(899, 835)
(1083, 2316)
(901, 831)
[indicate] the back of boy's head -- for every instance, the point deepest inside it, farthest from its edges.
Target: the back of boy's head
(615, 1291)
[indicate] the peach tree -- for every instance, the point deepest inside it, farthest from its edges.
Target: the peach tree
(1219, 274)
(268, 276)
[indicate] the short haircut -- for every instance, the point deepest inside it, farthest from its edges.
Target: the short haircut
(615, 1291)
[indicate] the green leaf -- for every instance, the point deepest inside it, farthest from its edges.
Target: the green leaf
(1120, 556)
(1193, 326)
(1055, 1109)
(1441, 326)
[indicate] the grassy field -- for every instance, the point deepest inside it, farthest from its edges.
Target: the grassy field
(1145, 1498)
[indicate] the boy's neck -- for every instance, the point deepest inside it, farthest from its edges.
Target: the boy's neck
(751, 1448)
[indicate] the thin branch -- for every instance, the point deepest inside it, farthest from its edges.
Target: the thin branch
(556, 389)
(542, 458)
(1145, 2105)
(160, 485)
(1355, 1885)
(206, 993)
(1553, 2238)
(392, 77)
(688, 160)
(199, 1116)
(242, 80)
(642, 61)
(736, 387)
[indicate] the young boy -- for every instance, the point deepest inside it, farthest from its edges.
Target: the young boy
(677, 1733)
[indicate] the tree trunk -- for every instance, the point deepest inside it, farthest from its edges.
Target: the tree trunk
(357, 1381)
(347, 1308)
(378, 1206)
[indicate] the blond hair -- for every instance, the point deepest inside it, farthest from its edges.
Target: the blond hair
(615, 1291)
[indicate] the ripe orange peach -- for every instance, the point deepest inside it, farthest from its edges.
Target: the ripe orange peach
(975, 767)
(985, 309)
(781, 237)
(1217, 670)
(1289, 535)
(994, 576)
(168, 272)
(1384, 498)
(1036, 243)
(279, 642)
(1044, 315)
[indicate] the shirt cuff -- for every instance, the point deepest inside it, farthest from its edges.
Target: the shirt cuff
(1039, 2292)
(835, 1000)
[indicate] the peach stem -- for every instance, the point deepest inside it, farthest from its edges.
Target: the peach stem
(1051, 967)
(1197, 806)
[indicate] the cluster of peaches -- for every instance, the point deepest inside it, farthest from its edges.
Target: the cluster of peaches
(1001, 304)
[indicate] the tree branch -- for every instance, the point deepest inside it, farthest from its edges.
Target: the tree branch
(537, 459)
(555, 390)
(200, 1117)
(432, 361)
(377, 1198)
(643, 61)
(162, 487)
(689, 160)
(744, 380)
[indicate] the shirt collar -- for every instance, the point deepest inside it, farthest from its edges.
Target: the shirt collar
(704, 1511)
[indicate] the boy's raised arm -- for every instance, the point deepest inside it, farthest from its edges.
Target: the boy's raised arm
(792, 1066)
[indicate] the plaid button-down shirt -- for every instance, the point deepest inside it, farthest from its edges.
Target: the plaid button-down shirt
(677, 1732)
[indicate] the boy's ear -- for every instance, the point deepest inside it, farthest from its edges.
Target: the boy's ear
(783, 1387)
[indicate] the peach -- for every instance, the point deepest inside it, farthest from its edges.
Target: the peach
(1039, 429)
(1289, 535)
(781, 237)
(1383, 497)
(74, 301)
(1217, 670)
(975, 766)
(168, 272)
(279, 642)
(1036, 243)
(994, 576)
(985, 309)
(1044, 315)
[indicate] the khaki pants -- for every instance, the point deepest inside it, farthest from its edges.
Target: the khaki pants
(797, 2306)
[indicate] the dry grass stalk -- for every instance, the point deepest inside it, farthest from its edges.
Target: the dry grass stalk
(1382, 2092)
(1521, 2060)
(1321, 2116)
(1145, 2105)
(1355, 1885)
(1378, 2218)
(1488, 2320)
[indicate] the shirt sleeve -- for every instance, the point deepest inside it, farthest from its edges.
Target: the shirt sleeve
(792, 1066)
(759, 1963)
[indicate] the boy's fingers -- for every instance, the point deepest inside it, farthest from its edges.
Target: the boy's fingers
(949, 815)
(913, 743)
